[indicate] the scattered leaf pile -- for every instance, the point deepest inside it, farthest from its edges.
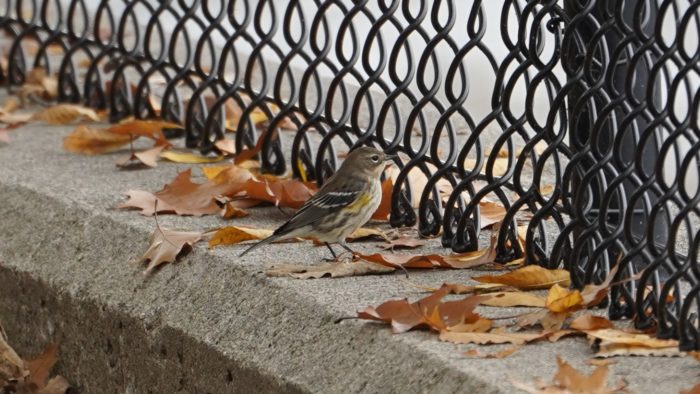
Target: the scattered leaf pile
(29, 375)
(568, 380)
(559, 314)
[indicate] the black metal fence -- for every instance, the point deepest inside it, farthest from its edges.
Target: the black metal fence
(583, 113)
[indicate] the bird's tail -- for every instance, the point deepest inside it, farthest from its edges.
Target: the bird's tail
(265, 241)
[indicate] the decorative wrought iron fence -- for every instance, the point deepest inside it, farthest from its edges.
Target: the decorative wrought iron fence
(582, 113)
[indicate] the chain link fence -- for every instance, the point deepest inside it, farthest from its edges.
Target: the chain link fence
(580, 117)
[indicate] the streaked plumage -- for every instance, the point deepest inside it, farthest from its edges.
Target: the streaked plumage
(342, 205)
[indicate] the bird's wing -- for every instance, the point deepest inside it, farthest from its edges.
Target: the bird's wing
(318, 207)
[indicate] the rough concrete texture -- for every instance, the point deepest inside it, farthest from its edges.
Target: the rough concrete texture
(212, 322)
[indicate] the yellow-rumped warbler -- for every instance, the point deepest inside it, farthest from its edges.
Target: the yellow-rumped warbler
(345, 202)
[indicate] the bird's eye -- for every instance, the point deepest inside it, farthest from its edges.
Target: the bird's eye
(375, 158)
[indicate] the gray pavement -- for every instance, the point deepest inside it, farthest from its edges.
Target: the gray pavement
(213, 322)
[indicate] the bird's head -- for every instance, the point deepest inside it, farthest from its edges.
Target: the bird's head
(368, 160)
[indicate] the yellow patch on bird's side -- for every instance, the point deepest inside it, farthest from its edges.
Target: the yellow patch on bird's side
(360, 203)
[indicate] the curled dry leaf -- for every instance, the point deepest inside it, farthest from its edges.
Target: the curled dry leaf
(39, 85)
(65, 113)
(230, 211)
(568, 380)
(333, 270)
(560, 299)
(530, 277)
(148, 158)
(166, 246)
(431, 312)
(91, 141)
(611, 342)
(226, 146)
(491, 213)
(461, 261)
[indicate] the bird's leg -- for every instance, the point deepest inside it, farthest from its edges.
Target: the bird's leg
(335, 258)
(346, 247)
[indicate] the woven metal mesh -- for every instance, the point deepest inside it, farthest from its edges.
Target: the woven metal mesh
(580, 117)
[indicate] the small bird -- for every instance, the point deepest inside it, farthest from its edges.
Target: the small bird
(345, 202)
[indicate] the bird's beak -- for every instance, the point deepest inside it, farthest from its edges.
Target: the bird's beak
(390, 157)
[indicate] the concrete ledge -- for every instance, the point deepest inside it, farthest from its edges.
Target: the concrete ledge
(213, 323)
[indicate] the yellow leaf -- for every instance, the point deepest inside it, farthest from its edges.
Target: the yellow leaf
(560, 299)
(65, 113)
(514, 298)
(529, 278)
(232, 235)
(211, 172)
(189, 158)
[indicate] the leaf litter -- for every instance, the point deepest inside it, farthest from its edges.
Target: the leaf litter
(29, 375)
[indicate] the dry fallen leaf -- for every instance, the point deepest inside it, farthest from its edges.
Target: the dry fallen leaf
(590, 322)
(226, 146)
(65, 113)
(491, 213)
(148, 158)
(16, 118)
(333, 270)
(40, 366)
(481, 325)
(510, 299)
(461, 261)
(612, 342)
(431, 312)
(404, 243)
(39, 85)
(12, 368)
(530, 277)
(91, 141)
(166, 246)
(188, 157)
(568, 380)
(230, 211)
(152, 129)
(184, 197)
(560, 299)
(232, 235)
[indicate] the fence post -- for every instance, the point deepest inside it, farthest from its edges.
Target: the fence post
(608, 60)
